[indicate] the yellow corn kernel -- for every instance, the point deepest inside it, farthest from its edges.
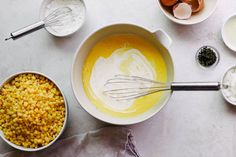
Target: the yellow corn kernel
(32, 110)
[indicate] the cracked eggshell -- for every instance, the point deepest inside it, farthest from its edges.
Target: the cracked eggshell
(197, 5)
(182, 11)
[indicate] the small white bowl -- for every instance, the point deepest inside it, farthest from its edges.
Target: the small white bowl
(217, 57)
(64, 124)
(226, 94)
(209, 8)
(224, 36)
(42, 15)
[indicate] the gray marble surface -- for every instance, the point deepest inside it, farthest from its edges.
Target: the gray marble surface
(192, 123)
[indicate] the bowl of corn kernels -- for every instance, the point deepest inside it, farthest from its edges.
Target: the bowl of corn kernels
(33, 111)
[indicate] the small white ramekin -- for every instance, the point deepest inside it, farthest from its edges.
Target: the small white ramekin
(51, 31)
(227, 43)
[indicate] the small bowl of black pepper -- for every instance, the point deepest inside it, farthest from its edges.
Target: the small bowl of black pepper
(207, 57)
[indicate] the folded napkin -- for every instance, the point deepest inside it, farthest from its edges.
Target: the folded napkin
(105, 142)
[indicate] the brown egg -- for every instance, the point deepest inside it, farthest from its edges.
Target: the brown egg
(197, 5)
(168, 2)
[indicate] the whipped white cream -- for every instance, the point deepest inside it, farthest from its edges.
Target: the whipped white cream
(122, 61)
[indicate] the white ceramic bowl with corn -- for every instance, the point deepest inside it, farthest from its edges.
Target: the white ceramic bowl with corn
(38, 117)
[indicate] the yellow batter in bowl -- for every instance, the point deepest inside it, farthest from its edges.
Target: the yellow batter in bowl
(122, 54)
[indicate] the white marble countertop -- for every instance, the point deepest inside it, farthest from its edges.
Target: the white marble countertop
(192, 124)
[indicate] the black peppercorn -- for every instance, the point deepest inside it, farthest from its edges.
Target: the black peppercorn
(207, 56)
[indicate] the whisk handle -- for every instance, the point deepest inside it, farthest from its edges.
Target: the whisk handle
(26, 30)
(195, 86)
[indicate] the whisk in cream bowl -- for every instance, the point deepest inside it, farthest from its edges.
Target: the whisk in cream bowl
(59, 17)
(77, 15)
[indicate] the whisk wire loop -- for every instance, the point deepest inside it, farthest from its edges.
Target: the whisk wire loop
(58, 17)
(135, 87)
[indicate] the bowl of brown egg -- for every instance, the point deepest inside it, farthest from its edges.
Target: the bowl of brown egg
(187, 12)
(33, 111)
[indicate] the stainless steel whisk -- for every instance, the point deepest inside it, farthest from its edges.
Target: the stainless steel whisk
(136, 87)
(59, 17)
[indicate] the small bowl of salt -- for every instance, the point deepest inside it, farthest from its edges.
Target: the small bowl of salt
(229, 85)
(69, 27)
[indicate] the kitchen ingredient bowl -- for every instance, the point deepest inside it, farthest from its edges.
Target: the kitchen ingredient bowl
(228, 32)
(159, 38)
(209, 8)
(228, 85)
(206, 57)
(11, 78)
(78, 14)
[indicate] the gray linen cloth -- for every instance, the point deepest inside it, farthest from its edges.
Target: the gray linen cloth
(105, 142)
